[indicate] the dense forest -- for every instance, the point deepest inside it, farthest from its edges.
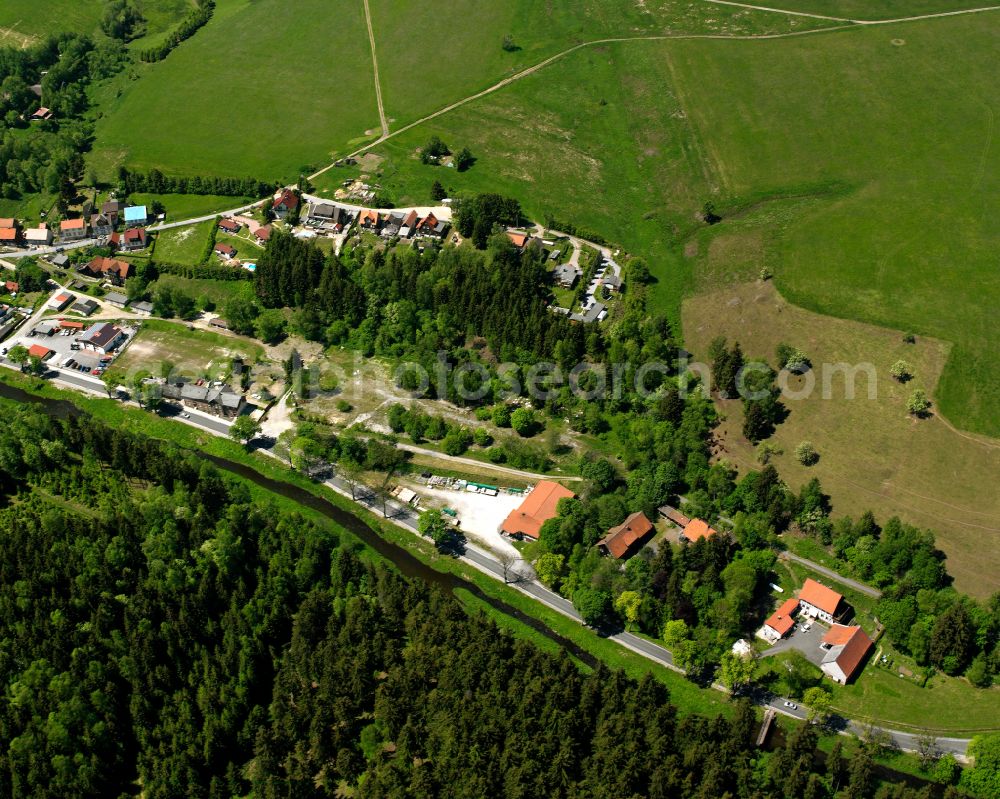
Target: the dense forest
(164, 634)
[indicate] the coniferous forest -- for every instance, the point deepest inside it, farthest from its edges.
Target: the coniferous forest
(163, 633)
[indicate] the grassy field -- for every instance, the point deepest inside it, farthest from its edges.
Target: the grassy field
(183, 245)
(296, 89)
(25, 18)
(872, 454)
(218, 291)
(912, 243)
(186, 206)
(193, 351)
(872, 9)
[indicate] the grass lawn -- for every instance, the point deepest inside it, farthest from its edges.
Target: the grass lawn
(186, 206)
(946, 705)
(194, 351)
(298, 88)
(872, 454)
(27, 208)
(37, 20)
(183, 245)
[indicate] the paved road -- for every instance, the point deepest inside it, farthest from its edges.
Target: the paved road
(860, 587)
(206, 217)
(70, 245)
(481, 465)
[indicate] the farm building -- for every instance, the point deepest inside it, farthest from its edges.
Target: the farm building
(627, 538)
(538, 507)
(822, 603)
(846, 648)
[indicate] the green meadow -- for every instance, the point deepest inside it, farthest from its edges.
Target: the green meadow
(20, 18)
(294, 90)
(872, 9)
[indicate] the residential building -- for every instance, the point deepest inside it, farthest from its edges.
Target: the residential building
(225, 251)
(39, 236)
(112, 209)
(392, 226)
(432, 227)
(44, 328)
(324, 214)
(9, 236)
(627, 538)
(612, 282)
(696, 530)
(142, 307)
(11, 286)
(286, 202)
(41, 115)
(136, 215)
(101, 225)
(112, 269)
(211, 399)
(59, 260)
(8, 222)
(566, 275)
(263, 234)
(594, 312)
(116, 299)
(102, 337)
(218, 322)
(781, 622)
(228, 225)
(822, 603)
(409, 223)
(673, 515)
(134, 239)
(368, 219)
(73, 229)
(538, 507)
(846, 649)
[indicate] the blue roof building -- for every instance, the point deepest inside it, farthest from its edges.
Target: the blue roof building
(136, 214)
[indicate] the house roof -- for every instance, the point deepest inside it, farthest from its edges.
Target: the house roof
(849, 645)
(781, 620)
(538, 507)
(225, 249)
(135, 234)
(6, 221)
(136, 213)
(115, 298)
(229, 224)
(68, 324)
(518, 239)
(429, 221)
(324, 209)
(819, 596)
(674, 515)
(38, 351)
(111, 206)
(105, 265)
(37, 234)
(410, 219)
(287, 199)
(12, 285)
(72, 224)
(622, 538)
(100, 334)
(263, 232)
(698, 529)
(8, 234)
(368, 215)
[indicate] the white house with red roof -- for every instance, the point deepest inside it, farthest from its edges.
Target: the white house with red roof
(286, 202)
(846, 649)
(822, 603)
(781, 622)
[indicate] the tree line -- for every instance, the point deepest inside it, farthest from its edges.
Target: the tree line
(164, 632)
(155, 182)
(185, 29)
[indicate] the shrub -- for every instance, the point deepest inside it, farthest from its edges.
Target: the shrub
(918, 403)
(523, 422)
(901, 371)
(482, 437)
(344, 406)
(501, 416)
(806, 454)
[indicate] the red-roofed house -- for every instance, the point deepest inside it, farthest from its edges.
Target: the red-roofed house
(263, 233)
(517, 239)
(229, 225)
(38, 351)
(8, 221)
(846, 648)
(224, 250)
(9, 235)
(73, 229)
(111, 268)
(821, 602)
(368, 219)
(11, 286)
(41, 114)
(538, 507)
(627, 538)
(133, 239)
(695, 531)
(285, 203)
(781, 622)
(430, 225)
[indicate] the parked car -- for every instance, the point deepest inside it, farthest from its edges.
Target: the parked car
(791, 706)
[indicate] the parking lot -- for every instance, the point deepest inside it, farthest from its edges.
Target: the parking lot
(805, 641)
(63, 343)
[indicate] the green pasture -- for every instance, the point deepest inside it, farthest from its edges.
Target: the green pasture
(297, 87)
(183, 245)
